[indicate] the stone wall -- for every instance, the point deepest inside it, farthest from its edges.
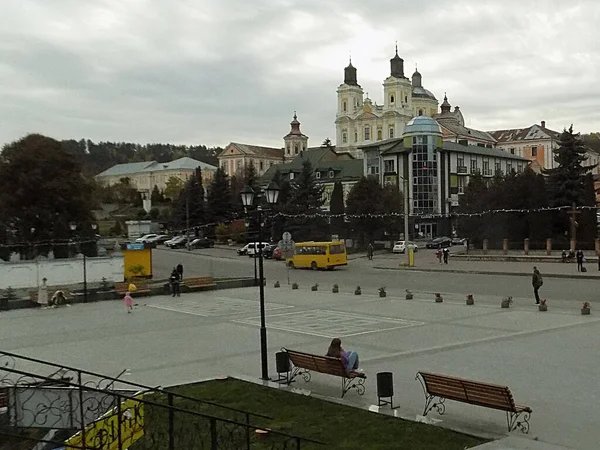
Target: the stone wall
(69, 271)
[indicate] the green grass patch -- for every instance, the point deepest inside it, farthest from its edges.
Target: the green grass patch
(337, 426)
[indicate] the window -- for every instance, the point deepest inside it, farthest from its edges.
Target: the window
(509, 167)
(270, 163)
(519, 167)
(486, 168)
(388, 166)
(460, 161)
(425, 180)
(498, 168)
(331, 174)
(392, 99)
(480, 145)
(287, 148)
(238, 164)
(461, 185)
(367, 133)
(512, 151)
(379, 135)
(420, 112)
(261, 166)
(345, 106)
(223, 165)
(291, 175)
(372, 163)
(318, 175)
(463, 142)
(336, 249)
(296, 148)
(391, 133)
(534, 152)
(344, 137)
(355, 136)
(473, 165)
(405, 99)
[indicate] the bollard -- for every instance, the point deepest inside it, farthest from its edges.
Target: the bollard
(548, 246)
(505, 246)
(573, 245)
(526, 246)
(597, 242)
(486, 246)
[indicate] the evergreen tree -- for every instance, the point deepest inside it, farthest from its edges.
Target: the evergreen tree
(364, 199)
(250, 177)
(392, 204)
(189, 207)
(156, 197)
(306, 197)
(219, 197)
(336, 208)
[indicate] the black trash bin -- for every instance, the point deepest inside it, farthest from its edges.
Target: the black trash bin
(385, 389)
(282, 365)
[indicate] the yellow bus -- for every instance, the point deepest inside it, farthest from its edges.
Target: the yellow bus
(318, 255)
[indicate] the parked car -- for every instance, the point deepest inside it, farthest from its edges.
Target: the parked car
(401, 246)
(146, 237)
(159, 239)
(458, 241)
(440, 242)
(177, 242)
(202, 243)
(243, 251)
(254, 246)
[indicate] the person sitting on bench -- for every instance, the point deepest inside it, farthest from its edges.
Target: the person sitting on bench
(349, 359)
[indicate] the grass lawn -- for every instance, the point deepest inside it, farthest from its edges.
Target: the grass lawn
(337, 426)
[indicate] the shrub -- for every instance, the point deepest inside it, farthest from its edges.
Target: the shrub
(222, 233)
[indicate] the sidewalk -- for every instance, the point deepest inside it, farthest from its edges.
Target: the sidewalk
(428, 263)
(518, 443)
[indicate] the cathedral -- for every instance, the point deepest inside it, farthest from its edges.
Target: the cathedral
(359, 121)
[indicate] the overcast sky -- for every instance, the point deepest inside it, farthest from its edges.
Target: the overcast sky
(214, 71)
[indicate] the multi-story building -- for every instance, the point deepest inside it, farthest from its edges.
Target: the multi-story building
(236, 156)
(145, 175)
(360, 122)
(329, 167)
(433, 173)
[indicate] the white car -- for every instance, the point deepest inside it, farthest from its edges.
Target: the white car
(252, 249)
(146, 237)
(401, 246)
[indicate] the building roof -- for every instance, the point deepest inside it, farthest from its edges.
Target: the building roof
(396, 145)
(255, 150)
(422, 125)
(125, 169)
(534, 132)
(462, 131)
(421, 92)
(475, 150)
(184, 163)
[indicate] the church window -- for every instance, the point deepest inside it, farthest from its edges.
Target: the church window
(391, 132)
(296, 148)
(345, 105)
(534, 152)
(261, 166)
(367, 133)
(318, 175)
(344, 137)
(379, 135)
(303, 147)
(406, 99)
(392, 99)
(355, 136)
(420, 112)
(287, 147)
(331, 174)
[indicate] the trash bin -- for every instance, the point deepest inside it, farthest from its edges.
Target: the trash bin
(385, 389)
(282, 365)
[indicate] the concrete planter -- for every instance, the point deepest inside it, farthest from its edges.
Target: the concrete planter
(585, 311)
(335, 289)
(276, 285)
(470, 300)
(314, 288)
(439, 298)
(295, 286)
(357, 291)
(383, 294)
(409, 295)
(543, 308)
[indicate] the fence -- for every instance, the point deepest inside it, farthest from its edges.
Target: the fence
(150, 418)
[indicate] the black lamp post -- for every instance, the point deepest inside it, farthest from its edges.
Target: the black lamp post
(271, 194)
(73, 227)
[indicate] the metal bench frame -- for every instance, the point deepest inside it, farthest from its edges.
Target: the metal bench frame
(516, 416)
(348, 382)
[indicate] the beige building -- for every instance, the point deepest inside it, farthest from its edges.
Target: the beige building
(236, 156)
(145, 175)
(359, 121)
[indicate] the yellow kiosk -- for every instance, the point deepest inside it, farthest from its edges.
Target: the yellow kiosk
(137, 260)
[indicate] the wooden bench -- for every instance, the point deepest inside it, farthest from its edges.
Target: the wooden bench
(34, 295)
(197, 283)
(141, 285)
(444, 387)
(304, 363)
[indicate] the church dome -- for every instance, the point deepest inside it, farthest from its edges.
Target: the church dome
(422, 125)
(421, 92)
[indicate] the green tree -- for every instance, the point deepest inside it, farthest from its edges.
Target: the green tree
(189, 207)
(306, 198)
(336, 208)
(40, 182)
(392, 205)
(156, 197)
(364, 199)
(250, 177)
(219, 198)
(173, 187)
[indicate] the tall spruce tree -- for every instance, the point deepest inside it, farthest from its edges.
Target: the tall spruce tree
(250, 176)
(189, 208)
(364, 199)
(219, 198)
(337, 209)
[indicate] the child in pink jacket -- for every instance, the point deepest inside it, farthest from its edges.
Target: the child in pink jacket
(128, 302)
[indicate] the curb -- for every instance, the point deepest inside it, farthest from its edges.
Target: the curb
(483, 272)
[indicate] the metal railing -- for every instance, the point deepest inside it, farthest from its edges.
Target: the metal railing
(130, 421)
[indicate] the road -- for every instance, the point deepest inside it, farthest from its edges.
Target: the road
(221, 262)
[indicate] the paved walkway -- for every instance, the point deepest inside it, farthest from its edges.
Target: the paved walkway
(549, 360)
(426, 261)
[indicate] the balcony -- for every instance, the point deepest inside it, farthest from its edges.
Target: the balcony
(461, 169)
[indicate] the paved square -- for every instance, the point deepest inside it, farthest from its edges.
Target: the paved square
(216, 306)
(331, 324)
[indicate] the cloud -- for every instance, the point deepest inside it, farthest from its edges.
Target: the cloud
(211, 72)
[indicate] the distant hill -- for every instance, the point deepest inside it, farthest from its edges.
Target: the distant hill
(97, 157)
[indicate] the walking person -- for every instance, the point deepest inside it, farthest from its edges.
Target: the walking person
(175, 280)
(438, 254)
(180, 271)
(446, 253)
(537, 282)
(128, 299)
(579, 256)
(370, 252)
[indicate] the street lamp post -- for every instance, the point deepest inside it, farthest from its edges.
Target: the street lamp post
(73, 227)
(271, 194)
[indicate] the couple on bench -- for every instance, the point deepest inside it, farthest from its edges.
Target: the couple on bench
(349, 359)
